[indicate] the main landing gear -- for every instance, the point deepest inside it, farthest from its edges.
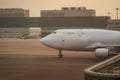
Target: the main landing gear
(60, 55)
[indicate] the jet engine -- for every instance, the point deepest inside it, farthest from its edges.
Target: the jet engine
(103, 52)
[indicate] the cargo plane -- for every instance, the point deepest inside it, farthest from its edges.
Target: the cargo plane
(103, 42)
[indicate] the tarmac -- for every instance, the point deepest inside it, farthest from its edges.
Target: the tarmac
(30, 60)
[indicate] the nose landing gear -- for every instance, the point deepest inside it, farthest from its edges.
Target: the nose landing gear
(60, 55)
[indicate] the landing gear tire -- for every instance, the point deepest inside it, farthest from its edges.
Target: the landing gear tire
(60, 55)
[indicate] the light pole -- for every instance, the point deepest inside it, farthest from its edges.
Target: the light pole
(117, 9)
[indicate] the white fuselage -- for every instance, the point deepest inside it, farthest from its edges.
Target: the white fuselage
(81, 39)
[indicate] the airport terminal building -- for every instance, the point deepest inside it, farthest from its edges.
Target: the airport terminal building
(13, 12)
(12, 31)
(114, 25)
(66, 18)
(72, 18)
(68, 12)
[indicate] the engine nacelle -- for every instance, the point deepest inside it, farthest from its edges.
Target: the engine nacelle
(102, 52)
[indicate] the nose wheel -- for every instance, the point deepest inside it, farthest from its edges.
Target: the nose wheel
(60, 55)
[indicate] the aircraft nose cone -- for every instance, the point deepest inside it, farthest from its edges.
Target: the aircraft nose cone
(49, 41)
(43, 41)
(46, 41)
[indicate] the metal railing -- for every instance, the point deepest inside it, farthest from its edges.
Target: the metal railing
(92, 73)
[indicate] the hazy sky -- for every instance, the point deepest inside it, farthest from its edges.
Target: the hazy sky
(102, 7)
